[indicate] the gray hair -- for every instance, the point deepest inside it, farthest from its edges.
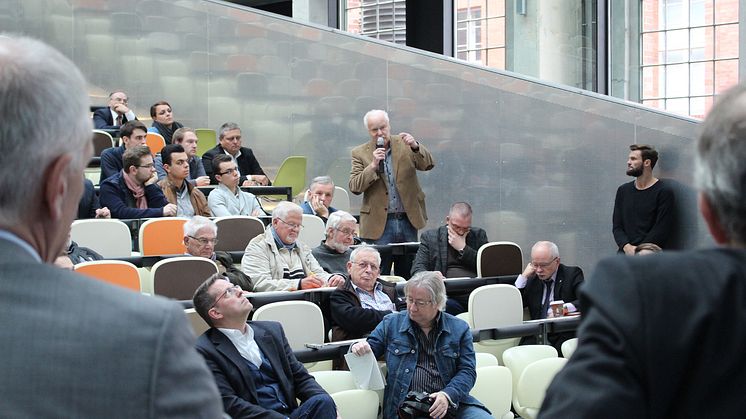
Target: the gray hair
(321, 180)
(553, 249)
(433, 283)
(284, 208)
(720, 172)
(228, 126)
(365, 248)
(461, 208)
(338, 217)
(197, 223)
(373, 112)
(45, 108)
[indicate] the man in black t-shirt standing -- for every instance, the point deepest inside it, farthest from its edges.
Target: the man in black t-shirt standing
(643, 208)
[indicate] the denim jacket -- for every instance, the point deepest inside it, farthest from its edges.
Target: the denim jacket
(455, 358)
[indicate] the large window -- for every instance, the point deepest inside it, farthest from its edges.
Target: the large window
(689, 53)
(382, 19)
(480, 32)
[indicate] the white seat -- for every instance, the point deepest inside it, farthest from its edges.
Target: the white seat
(393, 278)
(568, 347)
(198, 324)
(335, 381)
(313, 230)
(358, 404)
(494, 388)
(492, 306)
(486, 360)
(110, 238)
(341, 200)
(532, 386)
(520, 357)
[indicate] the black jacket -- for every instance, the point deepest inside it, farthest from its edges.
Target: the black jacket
(349, 319)
(247, 163)
(566, 285)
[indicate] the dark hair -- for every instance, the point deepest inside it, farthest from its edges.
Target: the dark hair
(220, 158)
(202, 299)
(160, 102)
(648, 153)
(168, 150)
(130, 126)
(133, 155)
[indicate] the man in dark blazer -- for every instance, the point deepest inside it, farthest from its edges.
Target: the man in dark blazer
(662, 336)
(116, 114)
(251, 172)
(66, 338)
(133, 134)
(255, 370)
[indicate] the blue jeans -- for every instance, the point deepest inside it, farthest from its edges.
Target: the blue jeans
(319, 406)
(472, 412)
(397, 230)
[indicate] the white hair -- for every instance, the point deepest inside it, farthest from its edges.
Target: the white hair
(197, 223)
(553, 249)
(373, 112)
(338, 217)
(284, 208)
(45, 111)
(433, 283)
(365, 248)
(321, 180)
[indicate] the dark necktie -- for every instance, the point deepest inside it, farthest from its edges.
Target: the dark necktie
(119, 120)
(545, 304)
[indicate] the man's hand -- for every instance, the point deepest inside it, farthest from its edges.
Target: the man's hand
(311, 281)
(529, 271)
(336, 281)
(169, 210)
(202, 181)
(440, 405)
(360, 348)
(121, 108)
(260, 180)
(318, 205)
(629, 249)
(455, 240)
(153, 179)
(410, 141)
(103, 213)
(378, 155)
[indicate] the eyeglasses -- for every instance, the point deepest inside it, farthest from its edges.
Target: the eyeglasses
(418, 303)
(228, 172)
(291, 225)
(364, 265)
(147, 166)
(542, 265)
(203, 241)
(346, 232)
(235, 290)
(232, 139)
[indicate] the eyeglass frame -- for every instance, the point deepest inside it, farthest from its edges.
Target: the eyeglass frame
(418, 303)
(544, 264)
(363, 265)
(291, 226)
(203, 241)
(346, 232)
(227, 291)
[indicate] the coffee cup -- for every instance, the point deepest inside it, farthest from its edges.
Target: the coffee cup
(557, 308)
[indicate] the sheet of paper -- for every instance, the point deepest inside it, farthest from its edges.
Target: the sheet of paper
(365, 370)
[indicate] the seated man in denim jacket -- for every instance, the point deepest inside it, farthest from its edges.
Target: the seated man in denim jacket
(426, 350)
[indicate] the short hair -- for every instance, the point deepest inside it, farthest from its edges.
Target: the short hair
(132, 156)
(553, 249)
(197, 223)
(45, 108)
(203, 300)
(284, 208)
(220, 158)
(321, 180)
(648, 152)
(365, 248)
(651, 247)
(178, 135)
(720, 172)
(338, 217)
(461, 208)
(433, 283)
(156, 104)
(129, 127)
(168, 150)
(118, 91)
(371, 113)
(228, 126)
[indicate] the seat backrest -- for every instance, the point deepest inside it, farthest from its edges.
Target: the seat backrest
(358, 404)
(393, 278)
(162, 236)
(494, 388)
(335, 381)
(518, 358)
(313, 230)
(292, 173)
(206, 139)
(495, 305)
(303, 321)
(155, 142)
(196, 322)
(101, 141)
(179, 277)
(499, 258)
(117, 272)
(236, 231)
(110, 238)
(534, 380)
(568, 347)
(341, 200)
(486, 360)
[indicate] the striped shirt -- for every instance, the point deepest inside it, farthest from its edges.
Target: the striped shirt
(426, 376)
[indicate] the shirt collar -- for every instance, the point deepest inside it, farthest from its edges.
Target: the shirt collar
(279, 242)
(7, 235)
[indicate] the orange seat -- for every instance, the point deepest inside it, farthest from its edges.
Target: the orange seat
(162, 236)
(115, 272)
(155, 142)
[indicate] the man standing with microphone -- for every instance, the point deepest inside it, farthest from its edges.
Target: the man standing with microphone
(384, 170)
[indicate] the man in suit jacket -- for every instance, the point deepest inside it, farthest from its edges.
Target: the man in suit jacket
(251, 173)
(393, 206)
(65, 337)
(133, 134)
(662, 336)
(254, 367)
(319, 198)
(116, 114)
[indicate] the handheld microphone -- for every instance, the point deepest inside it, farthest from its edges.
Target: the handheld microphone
(380, 143)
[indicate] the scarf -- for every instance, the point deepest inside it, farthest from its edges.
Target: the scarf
(138, 191)
(165, 131)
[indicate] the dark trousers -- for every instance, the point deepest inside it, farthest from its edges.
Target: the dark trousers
(319, 406)
(398, 230)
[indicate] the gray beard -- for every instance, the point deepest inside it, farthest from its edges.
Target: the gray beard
(338, 247)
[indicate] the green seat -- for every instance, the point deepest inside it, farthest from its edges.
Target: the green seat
(207, 139)
(291, 173)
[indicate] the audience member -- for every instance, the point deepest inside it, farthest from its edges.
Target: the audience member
(393, 206)
(249, 171)
(188, 139)
(363, 301)
(254, 367)
(65, 337)
(647, 249)
(132, 193)
(132, 135)
(662, 337)
(116, 114)
(78, 254)
(163, 121)
(426, 350)
(200, 238)
(89, 205)
(319, 199)
(188, 199)
(334, 252)
(228, 198)
(277, 261)
(642, 208)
